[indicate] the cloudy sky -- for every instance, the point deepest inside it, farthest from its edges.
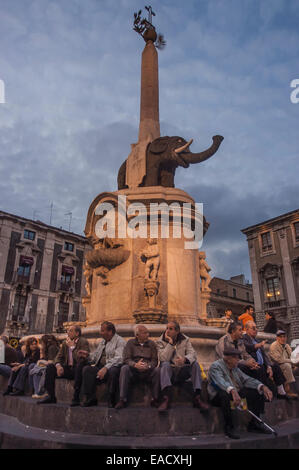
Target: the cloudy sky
(71, 70)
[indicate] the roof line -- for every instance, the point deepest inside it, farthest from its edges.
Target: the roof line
(43, 224)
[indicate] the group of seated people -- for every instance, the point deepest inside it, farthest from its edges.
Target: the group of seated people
(243, 370)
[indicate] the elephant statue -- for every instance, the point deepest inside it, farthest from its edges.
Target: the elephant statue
(163, 156)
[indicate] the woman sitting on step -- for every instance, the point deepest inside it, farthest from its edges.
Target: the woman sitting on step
(49, 348)
(19, 372)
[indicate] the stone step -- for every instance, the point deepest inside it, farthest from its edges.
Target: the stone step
(133, 420)
(100, 420)
(15, 435)
(138, 419)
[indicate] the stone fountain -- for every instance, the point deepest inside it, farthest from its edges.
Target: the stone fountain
(140, 268)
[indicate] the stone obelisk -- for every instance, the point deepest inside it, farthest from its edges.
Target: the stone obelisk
(149, 125)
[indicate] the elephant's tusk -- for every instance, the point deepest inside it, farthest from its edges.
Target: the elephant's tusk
(181, 149)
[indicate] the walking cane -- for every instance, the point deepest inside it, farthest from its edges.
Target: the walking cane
(259, 420)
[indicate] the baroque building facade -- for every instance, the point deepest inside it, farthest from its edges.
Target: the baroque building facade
(234, 293)
(41, 276)
(274, 260)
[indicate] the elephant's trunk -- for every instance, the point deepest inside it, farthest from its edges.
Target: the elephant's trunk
(202, 156)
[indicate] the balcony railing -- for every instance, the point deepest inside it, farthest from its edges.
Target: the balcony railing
(275, 303)
(65, 286)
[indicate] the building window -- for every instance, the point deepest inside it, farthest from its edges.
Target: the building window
(66, 277)
(68, 246)
(273, 290)
(24, 269)
(19, 307)
(234, 293)
(266, 242)
(29, 235)
(296, 227)
(247, 296)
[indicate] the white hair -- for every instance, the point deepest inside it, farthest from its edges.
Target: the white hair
(136, 328)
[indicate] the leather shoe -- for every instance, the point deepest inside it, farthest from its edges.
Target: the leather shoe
(154, 403)
(121, 404)
(198, 403)
(89, 403)
(16, 393)
(7, 392)
(282, 397)
(230, 432)
(164, 405)
(75, 402)
(47, 401)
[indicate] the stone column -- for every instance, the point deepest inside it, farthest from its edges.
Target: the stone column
(257, 294)
(292, 307)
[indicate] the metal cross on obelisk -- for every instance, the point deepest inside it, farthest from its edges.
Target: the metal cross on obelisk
(151, 13)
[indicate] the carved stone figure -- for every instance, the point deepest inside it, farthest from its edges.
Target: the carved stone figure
(204, 270)
(88, 278)
(163, 156)
(150, 256)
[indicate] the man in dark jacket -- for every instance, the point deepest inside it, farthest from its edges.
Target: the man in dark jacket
(67, 363)
(140, 363)
(268, 373)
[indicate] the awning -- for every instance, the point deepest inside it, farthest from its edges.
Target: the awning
(67, 270)
(28, 260)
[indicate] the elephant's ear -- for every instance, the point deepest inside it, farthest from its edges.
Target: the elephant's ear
(159, 145)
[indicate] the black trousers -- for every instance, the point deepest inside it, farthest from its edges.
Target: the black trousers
(255, 402)
(70, 372)
(90, 381)
(129, 374)
(261, 375)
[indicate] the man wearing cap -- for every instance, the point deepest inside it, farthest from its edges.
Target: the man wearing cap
(227, 383)
(280, 352)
